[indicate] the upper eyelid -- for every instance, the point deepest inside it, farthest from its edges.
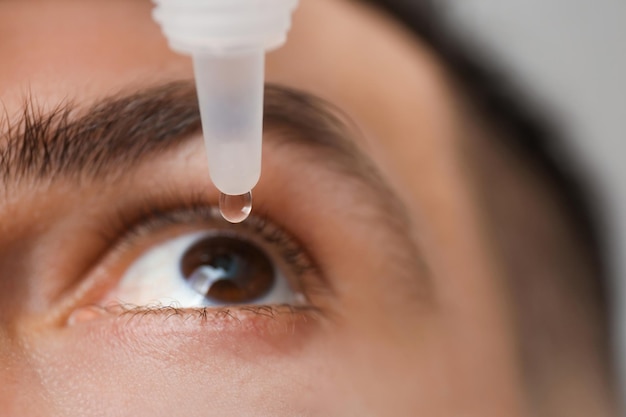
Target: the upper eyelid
(99, 143)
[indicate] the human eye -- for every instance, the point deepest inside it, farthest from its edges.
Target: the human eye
(190, 258)
(218, 265)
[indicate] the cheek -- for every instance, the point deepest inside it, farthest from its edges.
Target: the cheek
(21, 393)
(180, 369)
(135, 369)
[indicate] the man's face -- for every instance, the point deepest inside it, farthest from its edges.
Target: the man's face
(368, 289)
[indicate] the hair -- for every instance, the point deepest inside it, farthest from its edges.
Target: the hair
(540, 149)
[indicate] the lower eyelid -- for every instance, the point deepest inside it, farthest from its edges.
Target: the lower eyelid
(220, 325)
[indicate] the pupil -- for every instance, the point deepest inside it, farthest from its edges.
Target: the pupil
(238, 271)
(223, 262)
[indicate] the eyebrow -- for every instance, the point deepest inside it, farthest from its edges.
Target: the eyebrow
(117, 133)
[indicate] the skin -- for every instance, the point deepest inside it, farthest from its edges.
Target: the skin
(443, 346)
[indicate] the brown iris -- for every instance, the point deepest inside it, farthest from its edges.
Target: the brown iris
(234, 270)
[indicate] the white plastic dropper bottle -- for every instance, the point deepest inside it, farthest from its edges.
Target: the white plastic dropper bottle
(227, 40)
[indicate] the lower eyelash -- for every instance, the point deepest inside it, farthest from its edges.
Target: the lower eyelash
(207, 314)
(246, 319)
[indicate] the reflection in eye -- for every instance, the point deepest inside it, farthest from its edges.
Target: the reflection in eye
(202, 269)
(227, 270)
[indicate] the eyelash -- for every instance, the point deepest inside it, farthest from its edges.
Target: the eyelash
(217, 313)
(157, 215)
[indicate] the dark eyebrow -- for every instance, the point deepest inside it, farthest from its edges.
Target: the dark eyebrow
(110, 135)
(118, 133)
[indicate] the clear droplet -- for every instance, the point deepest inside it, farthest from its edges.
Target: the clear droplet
(235, 208)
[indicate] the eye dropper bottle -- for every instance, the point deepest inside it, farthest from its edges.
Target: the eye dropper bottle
(227, 40)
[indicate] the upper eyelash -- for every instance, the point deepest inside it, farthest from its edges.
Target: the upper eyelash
(153, 215)
(289, 249)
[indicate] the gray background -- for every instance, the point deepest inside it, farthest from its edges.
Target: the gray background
(571, 54)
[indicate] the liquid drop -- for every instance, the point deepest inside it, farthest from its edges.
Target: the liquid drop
(235, 208)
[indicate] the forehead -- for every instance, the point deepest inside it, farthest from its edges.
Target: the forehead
(345, 52)
(91, 48)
